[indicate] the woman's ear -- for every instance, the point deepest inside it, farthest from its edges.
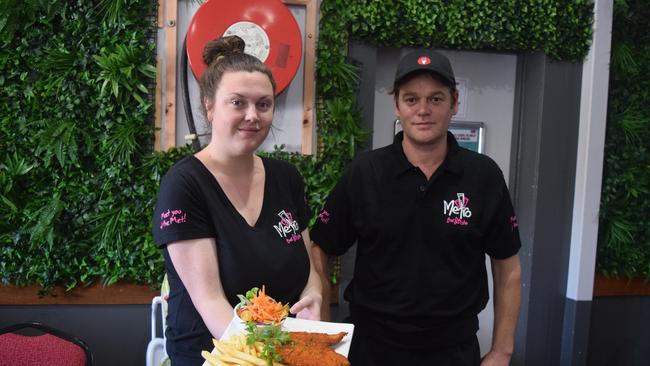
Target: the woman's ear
(208, 108)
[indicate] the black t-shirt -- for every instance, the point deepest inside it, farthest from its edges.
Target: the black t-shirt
(420, 272)
(192, 205)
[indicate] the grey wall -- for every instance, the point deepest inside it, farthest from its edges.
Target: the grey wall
(544, 173)
(116, 334)
(575, 332)
(620, 331)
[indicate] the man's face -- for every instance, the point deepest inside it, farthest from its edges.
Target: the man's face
(424, 107)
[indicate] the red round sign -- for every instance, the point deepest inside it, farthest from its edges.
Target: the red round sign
(269, 29)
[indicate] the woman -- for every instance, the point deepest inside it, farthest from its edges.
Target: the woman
(228, 220)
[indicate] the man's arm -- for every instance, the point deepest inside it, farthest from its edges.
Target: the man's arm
(321, 264)
(310, 304)
(506, 274)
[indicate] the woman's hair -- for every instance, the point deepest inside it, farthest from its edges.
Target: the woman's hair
(222, 55)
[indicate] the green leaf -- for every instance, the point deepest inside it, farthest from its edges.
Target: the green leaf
(7, 202)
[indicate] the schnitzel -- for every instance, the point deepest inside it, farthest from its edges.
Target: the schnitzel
(317, 338)
(312, 349)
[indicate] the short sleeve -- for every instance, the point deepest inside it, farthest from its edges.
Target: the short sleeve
(181, 212)
(333, 230)
(502, 239)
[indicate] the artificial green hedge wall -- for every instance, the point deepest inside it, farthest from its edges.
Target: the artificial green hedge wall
(77, 173)
(557, 27)
(624, 241)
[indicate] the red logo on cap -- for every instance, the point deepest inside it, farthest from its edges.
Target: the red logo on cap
(424, 60)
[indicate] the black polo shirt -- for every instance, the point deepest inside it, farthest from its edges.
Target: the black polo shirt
(420, 265)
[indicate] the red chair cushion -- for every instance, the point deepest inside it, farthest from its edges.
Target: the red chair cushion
(44, 349)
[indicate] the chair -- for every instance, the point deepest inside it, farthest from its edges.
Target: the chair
(156, 351)
(52, 347)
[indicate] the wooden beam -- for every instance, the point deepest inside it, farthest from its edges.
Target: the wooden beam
(158, 96)
(158, 100)
(309, 63)
(119, 293)
(161, 12)
(171, 26)
(609, 286)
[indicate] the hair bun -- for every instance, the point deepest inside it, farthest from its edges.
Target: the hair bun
(221, 47)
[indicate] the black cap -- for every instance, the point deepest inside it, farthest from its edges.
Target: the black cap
(425, 60)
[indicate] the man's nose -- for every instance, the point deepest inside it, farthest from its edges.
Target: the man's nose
(423, 107)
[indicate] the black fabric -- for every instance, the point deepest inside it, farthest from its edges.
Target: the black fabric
(425, 59)
(367, 350)
(192, 205)
(421, 244)
(400, 332)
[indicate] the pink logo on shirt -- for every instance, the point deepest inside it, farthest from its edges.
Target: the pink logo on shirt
(457, 210)
(324, 216)
(170, 217)
(513, 222)
(288, 228)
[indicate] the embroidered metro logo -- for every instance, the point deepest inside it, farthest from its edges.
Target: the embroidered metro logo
(457, 210)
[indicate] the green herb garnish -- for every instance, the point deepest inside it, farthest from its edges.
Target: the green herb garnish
(250, 294)
(271, 337)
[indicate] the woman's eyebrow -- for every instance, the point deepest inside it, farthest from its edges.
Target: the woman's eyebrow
(244, 96)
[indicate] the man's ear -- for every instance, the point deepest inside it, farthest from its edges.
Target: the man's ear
(454, 107)
(395, 105)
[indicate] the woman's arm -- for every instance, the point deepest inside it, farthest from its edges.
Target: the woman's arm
(309, 306)
(196, 263)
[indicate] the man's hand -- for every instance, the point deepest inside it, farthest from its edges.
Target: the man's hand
(494, 358)
(308, 307)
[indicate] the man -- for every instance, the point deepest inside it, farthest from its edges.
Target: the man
(424, 212)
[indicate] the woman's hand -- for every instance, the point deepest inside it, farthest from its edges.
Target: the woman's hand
(308, 307)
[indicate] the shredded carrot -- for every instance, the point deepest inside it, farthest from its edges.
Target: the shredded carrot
(263, 309)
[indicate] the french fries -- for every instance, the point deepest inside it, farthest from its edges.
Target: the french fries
(235, 351)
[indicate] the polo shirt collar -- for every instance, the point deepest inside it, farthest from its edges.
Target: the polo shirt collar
(452, 162)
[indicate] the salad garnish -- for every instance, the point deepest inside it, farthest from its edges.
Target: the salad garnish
(260, 308)
(271, 336)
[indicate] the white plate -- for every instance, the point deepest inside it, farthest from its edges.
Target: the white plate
(301, 325)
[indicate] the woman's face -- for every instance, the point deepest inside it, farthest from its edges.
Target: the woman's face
(242, 112)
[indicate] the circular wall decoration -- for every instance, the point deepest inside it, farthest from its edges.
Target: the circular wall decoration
(269, 29)
(256, 39)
